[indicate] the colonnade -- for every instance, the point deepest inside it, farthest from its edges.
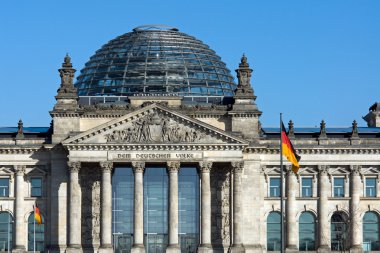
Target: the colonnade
(323, 211)
(138, 167)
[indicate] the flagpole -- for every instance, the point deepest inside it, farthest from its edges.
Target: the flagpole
(282, 191)
(34, 230)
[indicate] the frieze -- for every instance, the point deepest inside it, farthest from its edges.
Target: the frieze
(155, 128)
(337, 150)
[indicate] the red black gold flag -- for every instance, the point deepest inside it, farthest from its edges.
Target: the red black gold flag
(288, 150)
(37, 215)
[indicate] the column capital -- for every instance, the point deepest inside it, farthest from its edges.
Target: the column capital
(74, 167)
(20, 169)
(323, 170)
(355, 170)
(138, 167)
(173, 166)
(106, 166)
(205, 166)
(237, 166)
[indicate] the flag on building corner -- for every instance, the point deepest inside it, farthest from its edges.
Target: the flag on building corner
(288, 150)
(37, 215)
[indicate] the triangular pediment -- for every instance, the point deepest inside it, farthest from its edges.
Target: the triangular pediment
(154, 124)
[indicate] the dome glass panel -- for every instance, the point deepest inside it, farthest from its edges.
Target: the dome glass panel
(155, 60)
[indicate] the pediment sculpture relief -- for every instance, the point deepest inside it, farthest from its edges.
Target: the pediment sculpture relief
(155, 128)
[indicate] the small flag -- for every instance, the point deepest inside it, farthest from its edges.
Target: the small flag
(288, 150)
(37, 215)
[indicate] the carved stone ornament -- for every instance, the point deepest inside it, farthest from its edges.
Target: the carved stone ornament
(155, 128)
(237, 166)
(91, 201)
(354, 133)
(323, 170)
(74, 167)
(355, 170)
(106, 166)
(138, 167)
(20, 170)
(291, 129)
(173, 166)
(322, 133)
(205, 166)
(244, 78)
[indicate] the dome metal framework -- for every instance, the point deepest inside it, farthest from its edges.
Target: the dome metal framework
(156, 60)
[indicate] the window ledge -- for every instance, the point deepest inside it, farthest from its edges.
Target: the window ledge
(339, 198)
(7, 198)
(369, 198)
(273, 198)
(307, 198)
(33, 198)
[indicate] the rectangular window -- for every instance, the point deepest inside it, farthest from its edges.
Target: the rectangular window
(338, 187)
(370, 187)
(4, 187)
(307, 187)
(274, 187)
(36, 187)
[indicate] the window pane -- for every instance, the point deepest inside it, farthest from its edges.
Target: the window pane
(4, 187)
(274, 231)
(306, 232)
(307, 187)
(274, 187)
(37, 230)
(36, 187)
(338, 187)
(370, 187)
(371, 239)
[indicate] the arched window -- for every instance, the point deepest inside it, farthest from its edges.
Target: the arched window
(37, 231)
(371, 240)
(306, 232)
(274, 231)
(340, 239)
(6, 231)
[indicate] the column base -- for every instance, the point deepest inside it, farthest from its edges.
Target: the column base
(253, 248)
(19, 250)
(174, 248)
(237, 248)
(324, 249)
(105, 249)
(138, 248)
(204, 248)
(356, 249)
(291, 248)
(57, 248)
(74, 249)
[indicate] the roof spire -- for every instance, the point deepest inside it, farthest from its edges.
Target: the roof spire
(244, 73)
(67, 94)
(20, 130)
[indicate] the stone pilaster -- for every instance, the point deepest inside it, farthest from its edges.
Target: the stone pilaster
(237, 169)
(205, 169)
(75, 211)
(138, 239)
(324, 228)
(106, 208)
(19, 245)
(291, 212)
(356, 222)
(173, 168)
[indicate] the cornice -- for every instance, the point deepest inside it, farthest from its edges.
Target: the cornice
(316, 150)
(21, 149)
(154, 147)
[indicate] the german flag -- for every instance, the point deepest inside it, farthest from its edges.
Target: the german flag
(37, 215)
(288, 150)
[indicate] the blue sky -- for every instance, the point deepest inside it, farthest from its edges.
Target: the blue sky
(312, 60)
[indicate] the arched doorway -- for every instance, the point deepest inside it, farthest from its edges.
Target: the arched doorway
(340, 236)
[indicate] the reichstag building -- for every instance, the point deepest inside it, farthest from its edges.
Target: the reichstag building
(155, 148)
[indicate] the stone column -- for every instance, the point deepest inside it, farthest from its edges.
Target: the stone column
(138, 234)
(75, 206)
(173, 168)
(205, 245)
(19, 210)
(356, 222)
(323, 221)
(291, 212)
(106, 208)
(237, 169)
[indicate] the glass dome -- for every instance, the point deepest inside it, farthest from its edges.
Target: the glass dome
(156, 60)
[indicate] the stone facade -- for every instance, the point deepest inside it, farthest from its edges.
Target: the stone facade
(236, 159)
